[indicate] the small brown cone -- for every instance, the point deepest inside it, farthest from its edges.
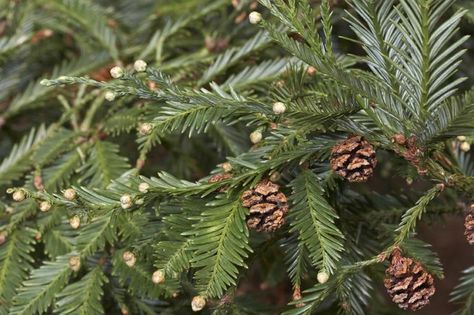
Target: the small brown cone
(408, 283)
(469, 224)
(353, 159)
(267, 205)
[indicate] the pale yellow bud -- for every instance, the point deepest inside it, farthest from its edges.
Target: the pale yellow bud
(75, 263)
(465, 146)
(323, 277)
(19, 195)
(116, 72)
(158, 277)
(126, 201)
(140, 66)
(279, 108)
(45, 206)
(143, 187)
(110, 96)
(198, 303)
(255, 17)
(69, 194)
(256, 136)
(145, 129)
(75, 222)
(129, 258)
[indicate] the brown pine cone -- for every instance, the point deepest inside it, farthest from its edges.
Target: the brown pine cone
(267, 205)
(408, 283)
(353, 159)
(469, 224)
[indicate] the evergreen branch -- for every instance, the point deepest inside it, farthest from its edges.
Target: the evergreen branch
(96, 234)
(103, 165)
(122, 121)
(60, 173)
(83, 297)
(234, 55)
(173, 255)
(220, 245)
(58, 240)
(35, 94)
(314, 219)
(252, 75)
(19, 159)
(38, 292)
(412, 215)
(92, 18)
(464, 293)
(54, 144)
(138, 279)
(297, 259)
(359, 83)
(15, 263)
(354, 293)
(454, 117)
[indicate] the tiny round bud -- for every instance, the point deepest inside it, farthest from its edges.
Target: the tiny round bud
(124, 310)
(38, 236)
(275, 176)
(110, 96)
(255, 17)
(198, 303)
(256, 136)
(280, 83)
(75, 263)
(45, 206)
(145, 129)
(126, 201)
(69, 194)
(9, 210)
(465, 146)
(143, 187)
(116, 72)
(311, 71)
(158, 277)
(409, 180)
(462, 138)
(140, 66)
(129, 258)
(227, 167)
(279, 108)
(19, 195)
(3, 238)
(323, 277)
(75, 222)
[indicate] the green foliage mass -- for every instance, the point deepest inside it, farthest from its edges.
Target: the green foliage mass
(137, 151)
